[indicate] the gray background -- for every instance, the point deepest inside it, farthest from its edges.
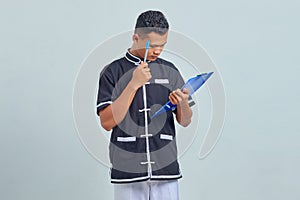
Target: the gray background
(253, 43)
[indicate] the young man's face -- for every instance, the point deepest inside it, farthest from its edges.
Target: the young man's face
(157, 43)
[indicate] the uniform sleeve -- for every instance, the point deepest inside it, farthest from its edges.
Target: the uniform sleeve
(105, 89)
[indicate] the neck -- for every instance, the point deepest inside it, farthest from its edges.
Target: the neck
(134, 52)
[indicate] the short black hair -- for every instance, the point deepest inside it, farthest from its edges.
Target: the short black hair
(151, 21)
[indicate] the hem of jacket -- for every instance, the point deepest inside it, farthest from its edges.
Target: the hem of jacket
(130, 180)
(140, 179)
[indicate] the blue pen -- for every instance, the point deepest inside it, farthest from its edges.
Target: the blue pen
(147, 48)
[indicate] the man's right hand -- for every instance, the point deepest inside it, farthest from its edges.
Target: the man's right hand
(113, 114)
(141, 75)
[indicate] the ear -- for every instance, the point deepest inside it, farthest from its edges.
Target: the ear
(135, 37)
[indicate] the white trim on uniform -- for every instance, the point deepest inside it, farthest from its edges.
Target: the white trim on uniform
(166, 176)
(126, 139)
(161, 81)
(134, 55)
(103, 103)
(136, 63)
(143, 110)
(130, 179)
(166, 137)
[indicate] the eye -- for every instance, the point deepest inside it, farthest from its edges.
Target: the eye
(157, 46)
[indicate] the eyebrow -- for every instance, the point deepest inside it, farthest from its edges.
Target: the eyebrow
(157, 45)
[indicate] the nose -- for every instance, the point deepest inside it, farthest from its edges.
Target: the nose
(157, 50)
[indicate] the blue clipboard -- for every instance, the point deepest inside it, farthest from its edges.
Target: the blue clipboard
(193, 84)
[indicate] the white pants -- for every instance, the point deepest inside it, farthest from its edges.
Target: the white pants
(147, 190)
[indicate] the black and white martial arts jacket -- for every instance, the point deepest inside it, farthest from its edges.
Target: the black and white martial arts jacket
(137, 154)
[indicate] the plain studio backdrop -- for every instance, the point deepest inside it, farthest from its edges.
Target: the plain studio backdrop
(254, 44)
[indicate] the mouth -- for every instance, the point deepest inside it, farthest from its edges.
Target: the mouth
(153, 57)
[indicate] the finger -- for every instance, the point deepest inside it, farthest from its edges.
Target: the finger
(176, 96)
(149, 76)
(178, 93)
(147, 69)
(173, 100)
(186, 91)
(183, 94)
(143, 65)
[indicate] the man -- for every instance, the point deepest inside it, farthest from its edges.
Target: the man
(143, 151)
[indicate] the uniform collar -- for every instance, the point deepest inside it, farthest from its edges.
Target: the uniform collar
(132, 58)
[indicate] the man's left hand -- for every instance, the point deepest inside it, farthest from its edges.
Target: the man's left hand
(179, 97)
